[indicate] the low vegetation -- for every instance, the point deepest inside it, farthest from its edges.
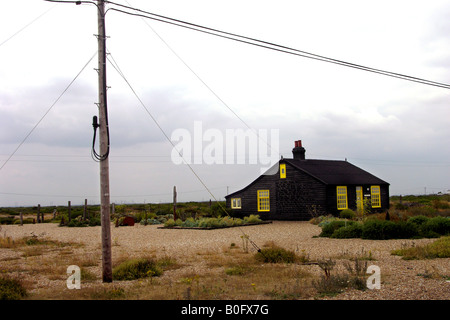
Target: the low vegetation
(136, 269)
(235, 272)
(375, 229)
(212, 223)
(331, 284)
(410, 217)
(437, 249)
(276, 255)
(145, 214)
(11, 289)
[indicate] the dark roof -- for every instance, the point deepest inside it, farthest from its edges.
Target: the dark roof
(335, 171)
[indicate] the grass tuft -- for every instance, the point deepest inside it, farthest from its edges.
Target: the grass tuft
(136, 269)
(275, 255)
(437, 249)
(11, 289)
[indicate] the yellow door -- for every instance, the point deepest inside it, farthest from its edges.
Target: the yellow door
(359, 199)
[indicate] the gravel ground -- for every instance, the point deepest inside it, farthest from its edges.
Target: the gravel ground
(400, 278)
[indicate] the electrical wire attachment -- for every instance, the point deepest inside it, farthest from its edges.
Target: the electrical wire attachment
(97, 157)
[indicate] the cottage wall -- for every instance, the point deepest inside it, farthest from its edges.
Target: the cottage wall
(297, 197)
(249, 197)
(351, 197)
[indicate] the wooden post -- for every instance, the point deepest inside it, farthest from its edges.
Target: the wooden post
(145, 214)
(174, 203)
(39, 214)
(85, 209)
(68, 211)
(104, 147)
(21, 218)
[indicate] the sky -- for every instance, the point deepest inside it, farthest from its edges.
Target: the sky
(179, 80)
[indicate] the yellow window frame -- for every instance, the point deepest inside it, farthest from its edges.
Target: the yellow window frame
(283, 171)
(375, 196)
(236, 203)
(263, 200)
(341, 195)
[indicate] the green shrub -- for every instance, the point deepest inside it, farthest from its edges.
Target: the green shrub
(275, 255)
(401, 230)
(210, 223)
(7, 220)
(219, 209)
(383, 230)
(350, 231)
(227, 221)
(418, 220)
(77, 223)
(150, 221)
(220, 222)
(435, 227)
(374, 229)
(347, 214)
(423, 211)
(438, 204)
(136, 268)
(170, 223)
(190, 223)
(252, 219)
(11, 289)
(329, 228)
(94, 222)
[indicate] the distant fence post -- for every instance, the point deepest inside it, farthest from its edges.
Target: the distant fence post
(68, 212)
(85, 209)
(174, 203)
(21, 218)
(39, 214)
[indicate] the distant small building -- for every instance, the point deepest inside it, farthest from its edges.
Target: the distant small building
(299, 188)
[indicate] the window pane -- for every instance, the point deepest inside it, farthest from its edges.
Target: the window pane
(235, 203)
(282, 171)
(341, 195)
(375, 196)
(263, 200)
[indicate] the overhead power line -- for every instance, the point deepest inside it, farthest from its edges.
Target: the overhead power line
(256, 42)
(48, 110)
(267, 44)
(26, 26)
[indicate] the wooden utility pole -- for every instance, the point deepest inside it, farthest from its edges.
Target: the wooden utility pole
(104, 147)
(85, 210)
(69, 210)
(174, 203)
(39, 213)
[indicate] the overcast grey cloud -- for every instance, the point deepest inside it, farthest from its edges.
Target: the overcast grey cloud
(395, 129)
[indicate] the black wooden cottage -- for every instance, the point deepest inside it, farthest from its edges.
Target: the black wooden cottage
(299, 188)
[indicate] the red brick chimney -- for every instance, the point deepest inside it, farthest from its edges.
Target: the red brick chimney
(298, 151)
